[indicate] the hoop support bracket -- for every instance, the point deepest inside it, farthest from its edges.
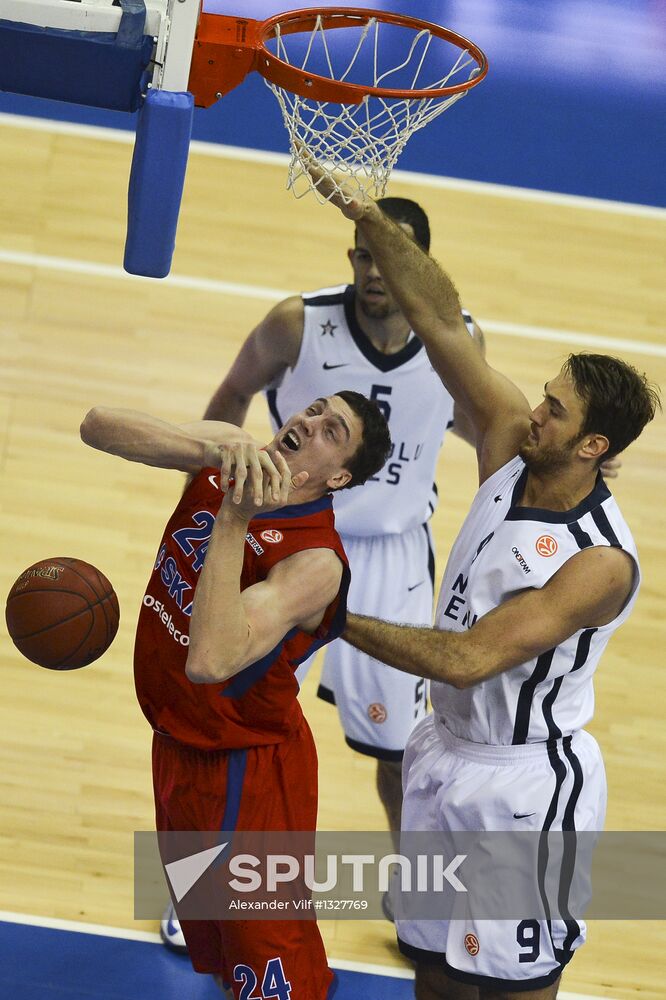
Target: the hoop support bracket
(225, 51)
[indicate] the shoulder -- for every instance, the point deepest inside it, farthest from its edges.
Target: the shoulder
(286, 316)
(320, 568)
(599, 580)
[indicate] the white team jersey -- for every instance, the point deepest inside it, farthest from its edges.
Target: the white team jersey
(501, 550)
(335, 355)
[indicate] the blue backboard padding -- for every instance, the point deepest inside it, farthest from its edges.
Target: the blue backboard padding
(156, 181)
(81, 67)
(40, 963)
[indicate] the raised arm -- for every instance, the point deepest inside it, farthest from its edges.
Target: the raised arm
(462, 425)
(138, 437)
(497, 409)
(272, 347)
(427, 297)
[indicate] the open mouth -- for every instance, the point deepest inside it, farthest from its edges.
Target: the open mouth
(291, 441)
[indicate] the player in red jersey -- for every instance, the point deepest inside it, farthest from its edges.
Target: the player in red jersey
(248, 581)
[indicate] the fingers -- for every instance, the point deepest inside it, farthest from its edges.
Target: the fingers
(350, 204)
(272, 474)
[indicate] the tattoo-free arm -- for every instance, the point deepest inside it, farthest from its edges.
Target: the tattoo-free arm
(231, 629)
(270, 348)
(589, 590)
(138, 437)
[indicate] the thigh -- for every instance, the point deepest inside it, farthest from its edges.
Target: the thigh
(444, 792)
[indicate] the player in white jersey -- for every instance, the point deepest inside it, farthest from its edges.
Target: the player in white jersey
(542, 573)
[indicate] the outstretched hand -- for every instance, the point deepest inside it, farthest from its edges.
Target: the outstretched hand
(353, 206)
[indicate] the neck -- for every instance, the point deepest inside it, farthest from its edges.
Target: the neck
(305, 495)
(559, 492)
(388, 335)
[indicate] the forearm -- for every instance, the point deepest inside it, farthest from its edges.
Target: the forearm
(138, 437)
(228, 405)
(219, 629)
(425, 293)
(422, 651)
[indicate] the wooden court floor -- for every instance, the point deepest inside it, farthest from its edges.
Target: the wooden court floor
(74, 764)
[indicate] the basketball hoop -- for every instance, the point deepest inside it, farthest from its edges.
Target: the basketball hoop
(353, 85)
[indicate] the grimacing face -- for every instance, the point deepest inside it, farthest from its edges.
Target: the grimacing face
(320, 440)
(372, 296)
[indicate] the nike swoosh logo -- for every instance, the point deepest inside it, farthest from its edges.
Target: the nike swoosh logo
(416, 585)
(328, 368)
(523, 815)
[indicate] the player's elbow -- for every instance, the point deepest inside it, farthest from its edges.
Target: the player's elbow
(92, 426)
(457, 679)
(201, 669)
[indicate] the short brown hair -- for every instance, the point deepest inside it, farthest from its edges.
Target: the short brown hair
(375, 446)
(619, 400)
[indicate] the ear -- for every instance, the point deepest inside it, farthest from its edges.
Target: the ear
(339, 480)
(593, 447)
(350, 256)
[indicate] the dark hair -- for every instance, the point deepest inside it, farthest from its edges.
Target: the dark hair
(409, 212)
(619, 400)
(375, 445)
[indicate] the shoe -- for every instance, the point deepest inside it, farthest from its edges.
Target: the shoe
(170, 931)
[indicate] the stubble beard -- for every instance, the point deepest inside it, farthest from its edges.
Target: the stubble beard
(548, 459)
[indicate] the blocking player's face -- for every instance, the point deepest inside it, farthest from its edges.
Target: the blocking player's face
(555, 438)
(320, 440)
(374, 299)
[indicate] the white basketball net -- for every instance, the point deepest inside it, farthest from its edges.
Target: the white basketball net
(357, 145)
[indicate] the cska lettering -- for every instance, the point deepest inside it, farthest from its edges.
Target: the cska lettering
(172, 579)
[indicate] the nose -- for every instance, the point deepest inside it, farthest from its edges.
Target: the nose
(308, 423)
(537, 414)
(373, 271)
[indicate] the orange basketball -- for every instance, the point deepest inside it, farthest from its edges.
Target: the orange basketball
(62, 613)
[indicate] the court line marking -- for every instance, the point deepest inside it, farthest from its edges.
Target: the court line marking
(408, 177)
(72, 266)
(101, 930)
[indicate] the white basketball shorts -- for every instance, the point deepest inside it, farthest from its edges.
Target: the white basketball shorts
(450, 784)
(392, 577)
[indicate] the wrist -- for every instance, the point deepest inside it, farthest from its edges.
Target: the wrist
(231, 514)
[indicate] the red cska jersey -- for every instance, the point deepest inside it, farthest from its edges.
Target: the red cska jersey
(259, 705)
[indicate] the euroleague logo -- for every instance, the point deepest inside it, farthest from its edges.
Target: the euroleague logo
(272, 535)
(377, 713)
(546, 546)
(472, 944)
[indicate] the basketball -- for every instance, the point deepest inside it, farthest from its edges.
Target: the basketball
(62, 613)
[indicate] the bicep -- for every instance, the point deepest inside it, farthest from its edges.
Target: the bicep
(588, 591)
(296, 589)
(271, 348)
